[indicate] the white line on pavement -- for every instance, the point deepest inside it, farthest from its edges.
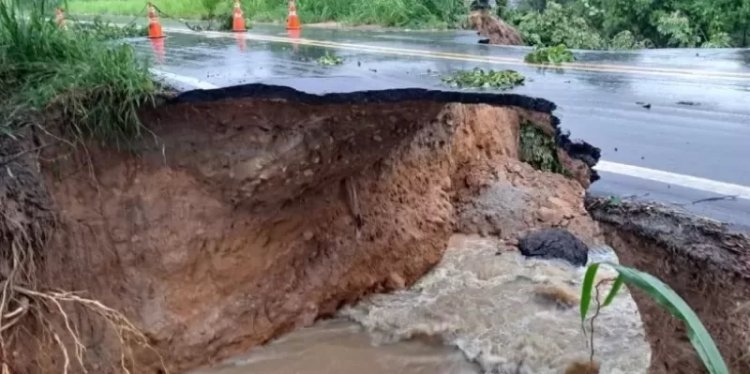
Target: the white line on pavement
(720, 188)
(190, 81)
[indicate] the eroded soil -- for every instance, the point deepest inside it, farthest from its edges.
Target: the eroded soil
(256, 210)
(704, 261)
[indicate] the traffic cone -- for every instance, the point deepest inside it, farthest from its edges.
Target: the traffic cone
(238, 21)
(60, 18)
(154, 27)
(292, 23)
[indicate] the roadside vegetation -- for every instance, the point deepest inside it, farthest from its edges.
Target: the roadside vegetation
(103, 30)
(579, 24)
(612, 24)
(58, 87)
(97, 87)
(389, 13)
(662, 294)
(480, 78)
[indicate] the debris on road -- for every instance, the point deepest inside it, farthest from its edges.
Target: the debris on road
(329, 59)
(479, 78)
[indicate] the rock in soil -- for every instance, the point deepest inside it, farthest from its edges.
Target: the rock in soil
(555, 243)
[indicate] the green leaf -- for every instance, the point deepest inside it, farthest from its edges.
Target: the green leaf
(588, 285)
(671, 301)
(613, 291)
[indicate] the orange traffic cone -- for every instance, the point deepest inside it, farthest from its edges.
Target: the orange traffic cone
(238, 21)
(154, 27)
(60, 18)
(292, 23)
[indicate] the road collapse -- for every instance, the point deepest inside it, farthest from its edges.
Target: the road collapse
(255, 210)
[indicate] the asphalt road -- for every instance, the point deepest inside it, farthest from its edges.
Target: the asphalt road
(693, 143)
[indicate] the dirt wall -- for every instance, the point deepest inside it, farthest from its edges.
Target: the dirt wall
(255, 210)
(704, 261)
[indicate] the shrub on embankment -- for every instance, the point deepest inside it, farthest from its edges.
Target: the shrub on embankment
(97, 87)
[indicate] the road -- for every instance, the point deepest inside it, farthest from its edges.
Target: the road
(693, 143)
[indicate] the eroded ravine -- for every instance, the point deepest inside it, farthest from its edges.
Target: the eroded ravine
(257, 210)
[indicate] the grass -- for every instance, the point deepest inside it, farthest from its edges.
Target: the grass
(389, 13)
(96, 86)
(479, 78)
(664, 296)
(550, 55)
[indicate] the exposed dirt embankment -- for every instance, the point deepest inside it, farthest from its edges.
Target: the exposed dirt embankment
(702, 260)
(254, 210)
(494, 29)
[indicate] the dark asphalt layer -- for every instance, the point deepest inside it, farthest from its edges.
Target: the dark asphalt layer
(698, 123)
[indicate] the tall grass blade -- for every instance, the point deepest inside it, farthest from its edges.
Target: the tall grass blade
(666, 297)
(588, 285)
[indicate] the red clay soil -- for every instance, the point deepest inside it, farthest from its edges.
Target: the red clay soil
(703, 261)
(494, 29)
(245, 218)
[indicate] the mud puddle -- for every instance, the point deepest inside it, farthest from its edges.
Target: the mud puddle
(477, 311)
(342, 346)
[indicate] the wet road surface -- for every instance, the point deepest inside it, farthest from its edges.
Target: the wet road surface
(697, 124)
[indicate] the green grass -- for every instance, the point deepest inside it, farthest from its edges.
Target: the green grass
(393, 13)
(96, 86)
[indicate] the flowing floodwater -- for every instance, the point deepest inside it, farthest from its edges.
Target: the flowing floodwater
(480, 310)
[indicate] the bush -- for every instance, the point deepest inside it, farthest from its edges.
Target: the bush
(675, 26)
(550, 55)
(718, 40)
(626, 40)
(556, 25)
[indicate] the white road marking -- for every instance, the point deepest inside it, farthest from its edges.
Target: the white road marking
(688, 181)
(190, 81)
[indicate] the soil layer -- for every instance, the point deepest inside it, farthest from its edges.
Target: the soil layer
(702, 260)
(254, 210)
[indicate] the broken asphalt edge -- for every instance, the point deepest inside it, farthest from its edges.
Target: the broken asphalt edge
(577, 149)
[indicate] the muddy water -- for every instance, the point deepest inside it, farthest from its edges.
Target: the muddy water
(477, 311)
(341, 346)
